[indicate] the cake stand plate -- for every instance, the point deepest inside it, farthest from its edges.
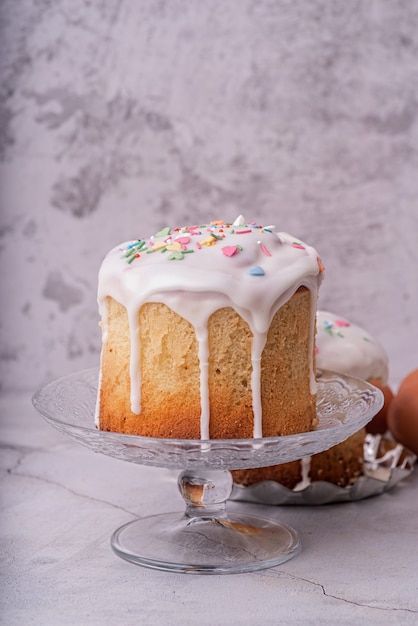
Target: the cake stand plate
(204, 538)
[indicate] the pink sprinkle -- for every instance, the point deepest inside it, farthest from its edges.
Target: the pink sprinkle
(229, 250)
(264, 249)
(242, 232)
(198, 246)
(183, 239)
(297, 245)
(342, 323)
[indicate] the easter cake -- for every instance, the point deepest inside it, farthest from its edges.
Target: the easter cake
(208, 331)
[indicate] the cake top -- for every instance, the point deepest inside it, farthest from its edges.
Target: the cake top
(349, 349)
(247, 266)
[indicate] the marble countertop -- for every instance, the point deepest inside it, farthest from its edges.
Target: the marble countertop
(61, 503)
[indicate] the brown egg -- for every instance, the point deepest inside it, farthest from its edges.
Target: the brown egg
(379, 423)
(403, 413)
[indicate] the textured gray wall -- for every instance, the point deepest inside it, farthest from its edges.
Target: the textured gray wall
(120, 117)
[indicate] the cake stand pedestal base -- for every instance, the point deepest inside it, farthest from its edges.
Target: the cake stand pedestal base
(205, 539)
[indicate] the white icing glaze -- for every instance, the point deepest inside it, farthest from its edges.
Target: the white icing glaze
(349, 349)
(197, 270)
(305, 468)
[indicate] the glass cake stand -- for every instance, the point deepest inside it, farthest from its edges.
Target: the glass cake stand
(204, 538)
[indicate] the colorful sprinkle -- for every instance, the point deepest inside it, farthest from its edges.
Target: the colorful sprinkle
(174, 247)
(328, 327)
(342, 323)
(208, 241)
(256, 270)
(158, 245)
(229, 250)
(133, 249)
(263, 248)
(176, 256)
(164, 232)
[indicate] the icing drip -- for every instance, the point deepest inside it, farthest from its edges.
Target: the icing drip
(258, 344)
(244, 266)
(202, 339)
(305, 467)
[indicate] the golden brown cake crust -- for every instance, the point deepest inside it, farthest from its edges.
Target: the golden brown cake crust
(341, 465)
(170, 373)
(288, 405)
(287, 474)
